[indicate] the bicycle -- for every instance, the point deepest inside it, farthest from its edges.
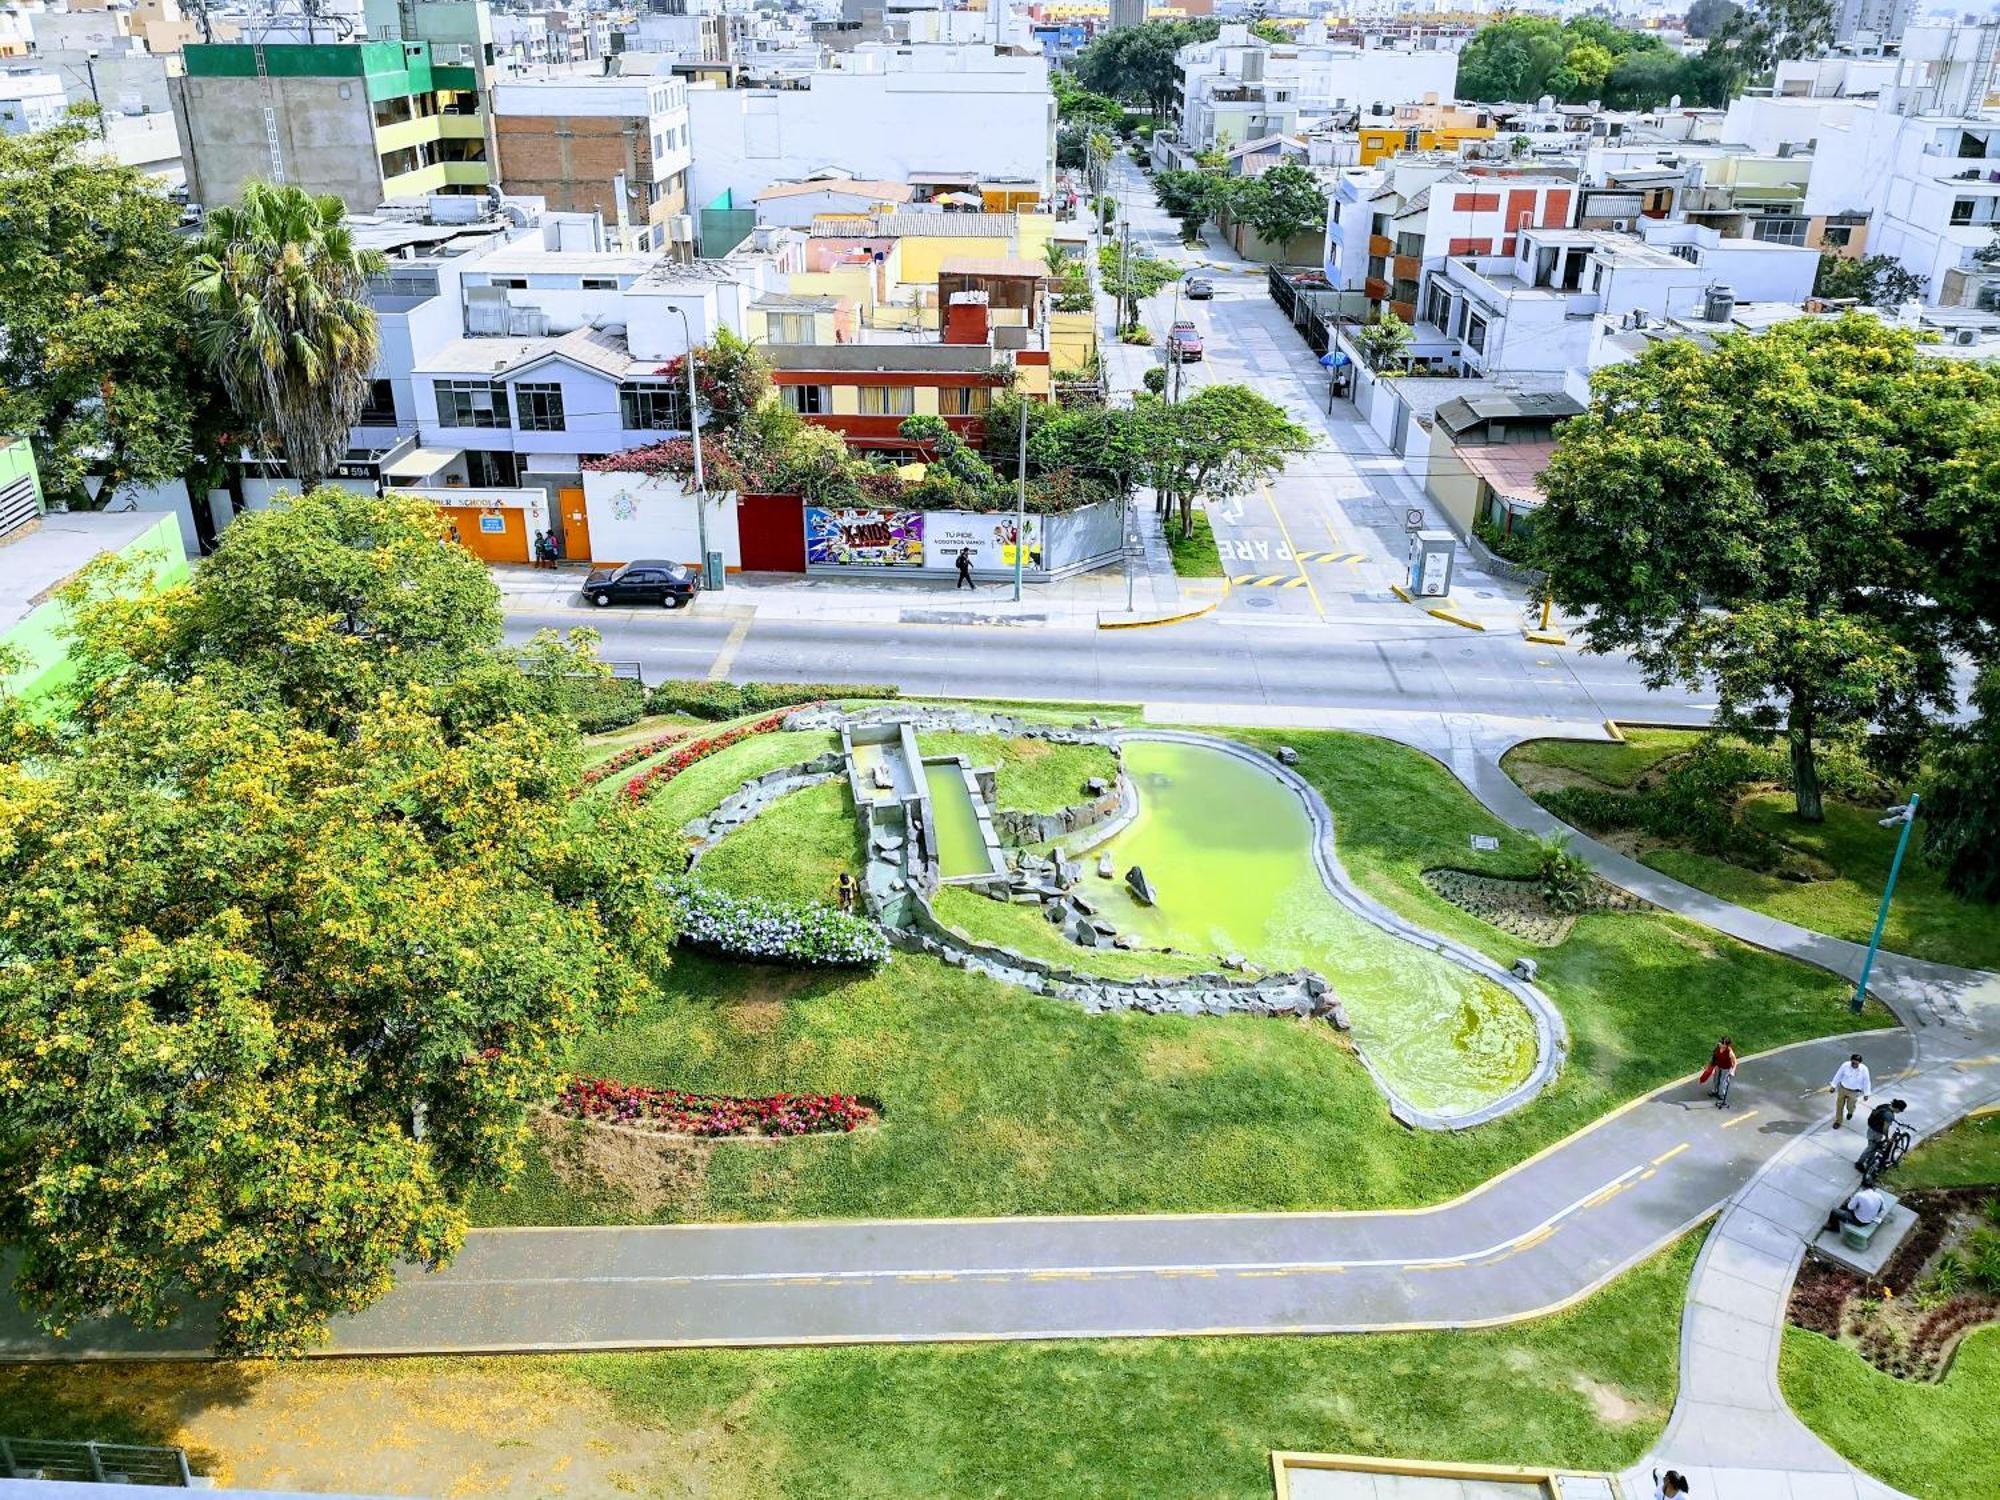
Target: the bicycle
(1883, 1154)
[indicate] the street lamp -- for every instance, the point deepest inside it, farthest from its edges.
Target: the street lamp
(90, 71)
(694, 430)
(1903, 816)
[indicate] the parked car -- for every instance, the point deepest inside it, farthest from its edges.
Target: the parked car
(1184, 342)
(1200, 289)
(647, 581)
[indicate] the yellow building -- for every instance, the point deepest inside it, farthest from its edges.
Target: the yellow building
(1425, 127)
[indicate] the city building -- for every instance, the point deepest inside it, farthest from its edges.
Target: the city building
(616, 146)
(1126, 13)
(30, 100)
(1866, 24)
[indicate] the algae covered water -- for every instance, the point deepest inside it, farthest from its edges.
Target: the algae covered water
(1228, 849)
(960, 849)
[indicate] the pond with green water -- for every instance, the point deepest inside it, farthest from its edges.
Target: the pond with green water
(961, 850)
(1229, 851)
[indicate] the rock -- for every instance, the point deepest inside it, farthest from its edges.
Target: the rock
(1055, 913)
(1081, 906)
(1140, 886)
(1336, 1017)
(1525, 968)
(1097, 786)
(1235, 961)
(1287, 756)
(1105, 869)
(1124, 940)
(882, 780)
(1316, 986)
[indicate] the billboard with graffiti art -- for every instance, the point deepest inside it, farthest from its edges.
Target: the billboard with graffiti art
(864, 538)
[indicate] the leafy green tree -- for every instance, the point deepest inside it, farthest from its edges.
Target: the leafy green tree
(1384, 342)
(278, 288)
(1136, 63)
(1131, 278)
(1758, 518)
(1704, 16)
(277, 996)
(97, 344)
(1961, 806)
(1524, 57)
(1219, 442)
(1874, 281)
(1076, 104)
(1191, 197)
(1281, 204)
(1754, 40)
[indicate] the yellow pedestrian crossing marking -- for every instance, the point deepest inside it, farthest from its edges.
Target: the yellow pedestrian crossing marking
(1271, 581)
(1350, 558)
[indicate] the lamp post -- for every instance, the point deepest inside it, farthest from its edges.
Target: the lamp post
(1021, 498)
(1906, 815)
(694, 430)
(90, 72)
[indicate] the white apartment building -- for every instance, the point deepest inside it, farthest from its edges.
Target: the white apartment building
(884, 113)
(1867, 24)
(617, 146)
(1239, 87)
(30, 100)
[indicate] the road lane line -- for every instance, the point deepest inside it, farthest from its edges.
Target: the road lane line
(1666, 1156)
(1291, 547)
(718, 670)
(1739, 1120)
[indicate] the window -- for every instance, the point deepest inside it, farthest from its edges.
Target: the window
(963, 400)
(512, 283)
(888, 401)
(1779, 231)
(379, 410)
(652, 408)
(538, 408)
(1475, 333)
(1836, 236)
(1689, 253)
(471, 403)
(1437, 311)
(1403, 290)
(807, 400)
(1961, 211)
(599, 283)
(792, 328)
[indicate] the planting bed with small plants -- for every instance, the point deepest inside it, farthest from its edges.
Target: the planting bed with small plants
(673, 1112)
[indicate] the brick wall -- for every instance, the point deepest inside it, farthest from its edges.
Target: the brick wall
(571, 161)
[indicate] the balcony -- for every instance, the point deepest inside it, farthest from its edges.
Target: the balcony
(1381, 244)
(1375, 289)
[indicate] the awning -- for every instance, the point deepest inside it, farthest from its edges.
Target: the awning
(421, 463)
(1513, 469)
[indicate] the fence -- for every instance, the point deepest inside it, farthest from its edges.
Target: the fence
(94, 1463)
(1315, 309)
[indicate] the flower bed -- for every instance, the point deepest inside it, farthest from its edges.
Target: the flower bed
(1518, 907)
(642, 786)
(765, 931)
(710, 1115)
(631, 755)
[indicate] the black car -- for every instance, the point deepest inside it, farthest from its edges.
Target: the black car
(647, 581)
(1200, 289)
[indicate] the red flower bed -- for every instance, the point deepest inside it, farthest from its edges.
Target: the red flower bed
(642, 786)
(632, 755)
(711, 1114)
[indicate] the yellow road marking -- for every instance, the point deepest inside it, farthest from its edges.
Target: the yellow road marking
(718, 670)
(1732, 1124)
(1667, 1156)
(1976, 1062)
(1604, 1195)
(928, 1276)
(1059, 1275)
(1286, 532)
(1436, 1265)
(1528, 1242)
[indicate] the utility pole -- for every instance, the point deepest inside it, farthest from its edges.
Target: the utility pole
(1124, 273)
(90, 71)
(1906, 815)
(1021, 499)
(694, 430)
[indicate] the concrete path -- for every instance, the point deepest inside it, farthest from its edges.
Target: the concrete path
(1530, 1241)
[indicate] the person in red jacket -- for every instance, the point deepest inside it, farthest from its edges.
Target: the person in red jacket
(1722, 1069)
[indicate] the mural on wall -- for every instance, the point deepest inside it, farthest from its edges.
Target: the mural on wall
(864, 538)
(990, 538)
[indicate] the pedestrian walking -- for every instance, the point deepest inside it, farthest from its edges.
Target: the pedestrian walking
(1670, 1485)
(964, 570)
(1850, 1087)
(1881, 1121)
(1722, 1068)
(845, 887)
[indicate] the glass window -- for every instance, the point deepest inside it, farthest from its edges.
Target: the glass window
(599, 283)
(888, 400)
(1475, 333)
(471, 403)
(791, 328)
(963, 400)
(808, 400)
(379, 410)
(538, 408)
(652, 408)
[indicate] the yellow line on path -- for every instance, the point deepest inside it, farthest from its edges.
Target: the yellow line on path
(1667, 1156)
(1286, 532)
(1436, 1265)
(1732, 1124)
(1528, 1242)
(725, 658)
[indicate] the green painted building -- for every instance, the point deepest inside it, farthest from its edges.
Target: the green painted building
(368, 121)
(40, 552)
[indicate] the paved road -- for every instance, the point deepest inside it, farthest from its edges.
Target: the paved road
(1525, 1243)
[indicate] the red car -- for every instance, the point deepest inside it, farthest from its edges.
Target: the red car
(1184, 342)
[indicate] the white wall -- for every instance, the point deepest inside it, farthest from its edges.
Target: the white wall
(632, 515)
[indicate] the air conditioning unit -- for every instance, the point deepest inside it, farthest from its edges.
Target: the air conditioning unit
(1965, 337)
(1623, 226)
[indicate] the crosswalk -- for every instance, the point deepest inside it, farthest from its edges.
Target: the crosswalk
(1352, 559)
(1270, 581)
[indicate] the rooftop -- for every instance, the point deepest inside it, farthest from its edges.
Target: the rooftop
(525, 262)
(992, 265)
(961, 359)
(965, 226)
(34, 563)
(887, 192)
(601, 349)
(1462, 414)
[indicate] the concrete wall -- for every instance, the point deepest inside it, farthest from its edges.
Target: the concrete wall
(633, 515)
(326, 137)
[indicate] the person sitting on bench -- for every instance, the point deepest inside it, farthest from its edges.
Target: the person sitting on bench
(1862, 1209)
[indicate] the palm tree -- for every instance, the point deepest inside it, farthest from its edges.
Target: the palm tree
(281, 317)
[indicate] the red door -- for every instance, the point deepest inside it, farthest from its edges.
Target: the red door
(771, 530)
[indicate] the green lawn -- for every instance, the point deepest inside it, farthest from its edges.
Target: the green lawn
(1967, 1155)
(793, 851)
(1036, 775)
(998, 1102)
(1926, 920)
(704, 784)
(1194, 556)
(1026, 930)
(601, 747)
(1937, 1442)
(1170, 1419)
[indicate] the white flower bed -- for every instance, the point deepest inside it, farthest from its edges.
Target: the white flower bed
(782, 932)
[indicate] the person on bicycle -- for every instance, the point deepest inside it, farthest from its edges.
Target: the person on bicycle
(1881, 1125)
(1722, 1069)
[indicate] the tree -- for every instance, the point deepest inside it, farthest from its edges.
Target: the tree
(1876, 281)
(731, 378)
(1191, 197)
(1137, 63)
(1524, 57)
(1078, 105)
(277, 997)
(1704, 16)
(281, 317)
(1132, 277)
(1757, 518)
(1218, 442)
(97, 341)
(1384, 342)
(1282, 204)
(1754, 40)
(1961, 798)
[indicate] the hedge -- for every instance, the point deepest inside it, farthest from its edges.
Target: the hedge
(599, 704)
(729, 700)
(762, 930)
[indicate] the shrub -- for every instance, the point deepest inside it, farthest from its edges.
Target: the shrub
(1983, 1258)
(711, 1114)
(1948, 1275)
(762, 930)
(730, 700)
(1155, 379)
(1594, 809)
(1564, 877)
(598, 704)
(1135, 333)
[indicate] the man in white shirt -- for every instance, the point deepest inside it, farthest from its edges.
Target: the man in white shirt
(1851, 1084)
(1865, 1207)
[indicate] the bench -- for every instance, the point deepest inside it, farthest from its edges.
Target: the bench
(1857, 1236)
